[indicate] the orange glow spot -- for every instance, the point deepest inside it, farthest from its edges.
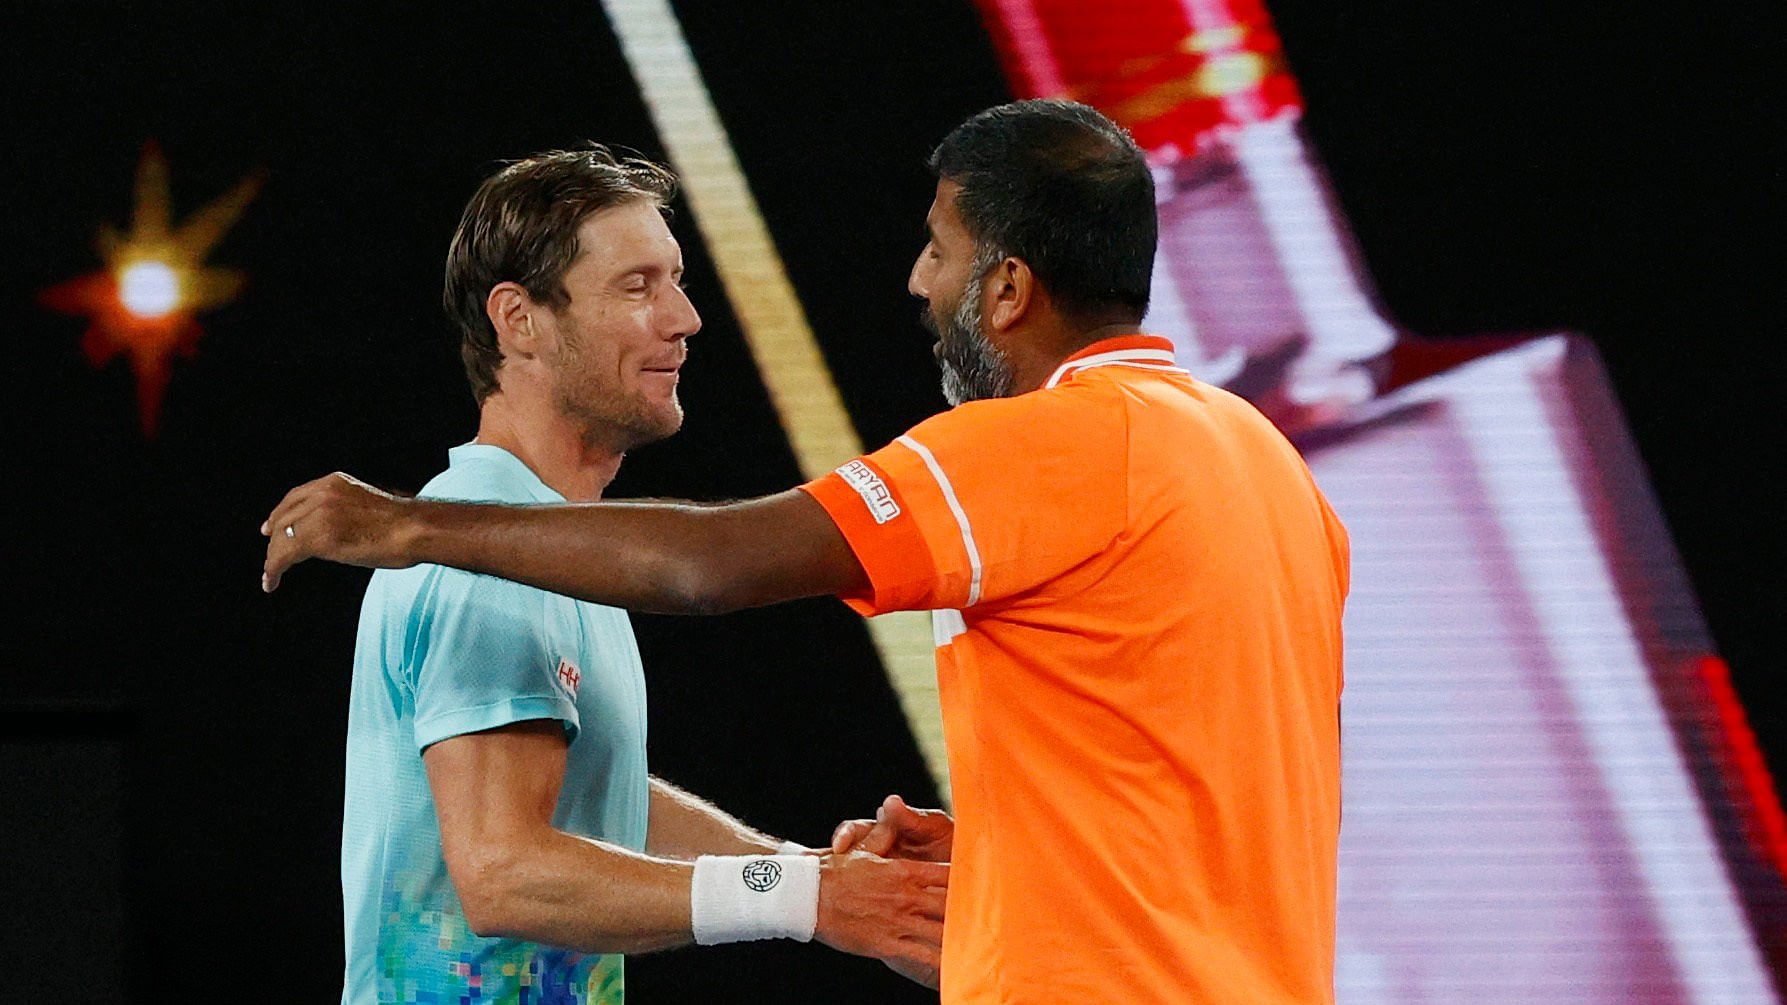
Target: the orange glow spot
(144, 302)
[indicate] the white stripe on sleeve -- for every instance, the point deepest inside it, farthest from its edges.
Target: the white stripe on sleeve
(955, 506)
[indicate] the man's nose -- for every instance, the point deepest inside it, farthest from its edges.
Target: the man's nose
(687, 320)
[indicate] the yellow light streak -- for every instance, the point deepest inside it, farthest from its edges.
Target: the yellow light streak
(774, 324)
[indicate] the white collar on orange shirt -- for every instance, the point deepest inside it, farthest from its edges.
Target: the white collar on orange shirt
(1149, 359)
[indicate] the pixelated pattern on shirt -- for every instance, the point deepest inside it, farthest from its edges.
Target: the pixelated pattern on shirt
(429, 956)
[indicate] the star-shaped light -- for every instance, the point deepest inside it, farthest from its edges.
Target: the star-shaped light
(144, 302)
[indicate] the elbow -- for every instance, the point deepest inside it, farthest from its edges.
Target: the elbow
(485, 927)
(714, 596)
(717, 570)
(483, 879)
(486, 920)
(703, 598)
(702, 584)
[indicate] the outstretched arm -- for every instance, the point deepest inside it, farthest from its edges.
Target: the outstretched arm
(664, 557)
(518, 876)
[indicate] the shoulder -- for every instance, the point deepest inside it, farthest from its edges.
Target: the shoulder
(1082, 416)
(1176, 407)
(480, 480)
(428, 596)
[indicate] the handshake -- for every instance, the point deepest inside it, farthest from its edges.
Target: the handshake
(882, 888)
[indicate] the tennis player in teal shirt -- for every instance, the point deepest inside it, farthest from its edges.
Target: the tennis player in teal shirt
(443, 653)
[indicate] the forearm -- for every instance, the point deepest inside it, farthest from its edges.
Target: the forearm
(659, 557)
(684, 825)
(675, 558)
(578, 893)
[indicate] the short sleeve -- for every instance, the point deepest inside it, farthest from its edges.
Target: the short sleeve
(478, 658)
(984, 502)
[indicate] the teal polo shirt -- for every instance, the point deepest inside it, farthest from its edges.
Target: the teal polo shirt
(441, 653)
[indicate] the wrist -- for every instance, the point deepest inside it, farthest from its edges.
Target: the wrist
(412, 538)
(739, 898)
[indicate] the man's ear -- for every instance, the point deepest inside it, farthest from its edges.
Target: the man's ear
(511, 312)
(1012, 288)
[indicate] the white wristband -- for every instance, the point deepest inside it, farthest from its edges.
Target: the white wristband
(792, 848)
(737, 898)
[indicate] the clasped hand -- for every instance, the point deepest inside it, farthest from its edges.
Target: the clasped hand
(899, 831)
(918, 836)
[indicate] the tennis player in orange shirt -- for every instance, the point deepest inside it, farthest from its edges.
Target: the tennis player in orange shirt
(1136, 586)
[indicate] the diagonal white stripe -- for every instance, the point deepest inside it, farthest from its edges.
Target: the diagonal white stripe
(955, 506)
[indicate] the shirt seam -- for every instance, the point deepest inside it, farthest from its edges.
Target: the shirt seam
(490, 704)
(468, 710)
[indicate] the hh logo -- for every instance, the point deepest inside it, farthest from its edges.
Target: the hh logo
(569, 676)
(875, 493)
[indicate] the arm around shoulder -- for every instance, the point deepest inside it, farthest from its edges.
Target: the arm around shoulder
(662, 557)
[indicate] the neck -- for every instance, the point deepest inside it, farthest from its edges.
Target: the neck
(551, 445)
(1034, 360)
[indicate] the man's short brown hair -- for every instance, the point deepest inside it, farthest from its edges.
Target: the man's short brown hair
(521, 227)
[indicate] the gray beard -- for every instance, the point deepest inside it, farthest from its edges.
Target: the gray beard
(973, 368)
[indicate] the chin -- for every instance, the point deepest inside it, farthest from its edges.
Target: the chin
(659, 423)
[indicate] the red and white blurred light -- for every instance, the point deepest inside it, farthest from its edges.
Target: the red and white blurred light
(144, 301)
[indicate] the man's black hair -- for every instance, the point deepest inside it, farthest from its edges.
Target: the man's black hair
(1067, 190)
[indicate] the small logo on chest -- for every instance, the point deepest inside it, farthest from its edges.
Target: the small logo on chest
(569, 676)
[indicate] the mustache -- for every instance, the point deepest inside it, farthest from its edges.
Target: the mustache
(927, 319)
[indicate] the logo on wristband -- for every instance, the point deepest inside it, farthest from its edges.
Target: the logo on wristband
(762, 874)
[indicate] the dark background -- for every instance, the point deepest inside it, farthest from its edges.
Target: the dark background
(171, 739)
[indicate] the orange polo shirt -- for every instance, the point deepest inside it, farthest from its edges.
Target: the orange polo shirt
(1137, 592)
